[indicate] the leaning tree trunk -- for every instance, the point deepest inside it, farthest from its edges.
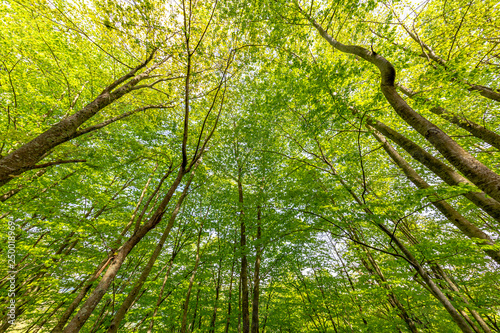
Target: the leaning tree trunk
(26, 156)
(408, 256)
(470, 167)
(441, 169)
(464, 225)
(473, 128)
(117, 260)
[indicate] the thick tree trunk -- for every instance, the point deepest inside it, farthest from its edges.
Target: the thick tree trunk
(471, 168)
(29, 154)
(442, 170)
(473, 128)
(467, 228)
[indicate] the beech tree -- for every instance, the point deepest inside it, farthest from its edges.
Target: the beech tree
(226, 166)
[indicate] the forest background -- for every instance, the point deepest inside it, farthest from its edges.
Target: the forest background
(233, 166)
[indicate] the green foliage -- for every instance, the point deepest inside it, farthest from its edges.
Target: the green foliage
(280, 102)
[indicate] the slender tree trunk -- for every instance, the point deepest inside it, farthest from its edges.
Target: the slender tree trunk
(81, 295)
(217, 293)
(191, 281)
(439, 270)
(120, 314)
(351, 284)
(256, 277)
(84, 313)
(473, 128)
(101, 317)
(160, 296)
(191, 326)
(229, 296)
(393, 300)
(438, 294)
(325, 303)
(267, 312)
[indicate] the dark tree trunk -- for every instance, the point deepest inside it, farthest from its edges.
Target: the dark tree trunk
(256, 277)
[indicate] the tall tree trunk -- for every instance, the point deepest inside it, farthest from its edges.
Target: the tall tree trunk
(473, 128)
(256, 276)
(439, 270)
(325, 303)
(191, 326)
(441, 169)
(393, 300)
(408, 256)
(244, 262)
(185, 307)
(470, 167)
(467, 228)
(117, 260)
(217, 293)
(229, 297)
(120, 314)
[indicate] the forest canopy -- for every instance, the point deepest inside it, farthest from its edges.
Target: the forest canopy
(249, 166)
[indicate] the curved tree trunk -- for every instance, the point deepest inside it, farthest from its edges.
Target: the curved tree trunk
(470, 167)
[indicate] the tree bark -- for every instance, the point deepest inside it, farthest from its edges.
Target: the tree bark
(256, 277)
(228, 318)
(244, 262)
(442, 170)
(471, 168)
(30, 153)
(120, 314)
(393, 300)
(117, 260)
(464, 225)
(191, 281)
(473, 128)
